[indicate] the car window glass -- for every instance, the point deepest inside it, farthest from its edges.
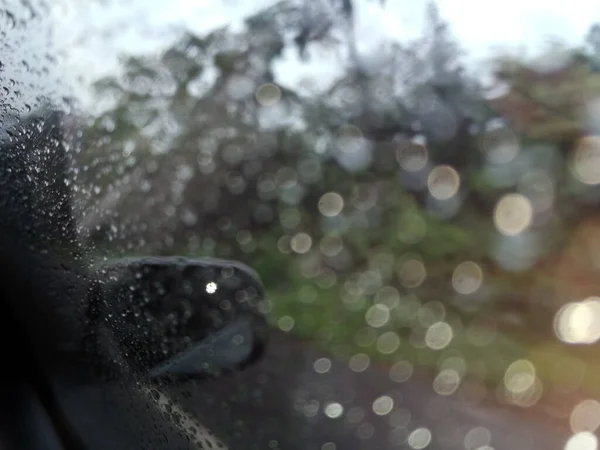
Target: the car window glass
(348, 224)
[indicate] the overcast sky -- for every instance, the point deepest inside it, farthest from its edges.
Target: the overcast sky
(94, 33)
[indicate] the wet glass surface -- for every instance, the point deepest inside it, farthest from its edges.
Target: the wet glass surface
(316, 224)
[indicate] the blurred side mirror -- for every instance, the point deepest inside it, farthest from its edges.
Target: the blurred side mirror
(180, 318)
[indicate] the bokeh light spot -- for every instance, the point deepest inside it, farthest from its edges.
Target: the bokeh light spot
(322, 365)
(331, 204)
(383, 405)
(438, 336)
(419, 438)
(579, 322)
(268, 94)
(586, 161)
(377, 315)
(582, 441)
(301, 243)
(412, 156)
(412, 273)
(500, 145)
(401, 371)
(443, 182)
(585, 416)
(513, 214)
(467, 277)
(519, 376)
(334, 410)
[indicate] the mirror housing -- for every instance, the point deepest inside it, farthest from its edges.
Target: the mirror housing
(180, 317)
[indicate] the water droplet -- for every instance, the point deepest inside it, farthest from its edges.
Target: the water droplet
(285, 323)
(586, 161)
(443, 182)
(585, 416)
(383, 405)
(582, 441)
(401, 371)
(467, 277)
(377, 315)
(322, 365)
(438, 335)
(419, 438)
(331, 204)
(334, 410)
(359, 362)
(513, 214)
(268, 94)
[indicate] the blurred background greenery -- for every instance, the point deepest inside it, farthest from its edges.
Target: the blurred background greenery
(413, 215)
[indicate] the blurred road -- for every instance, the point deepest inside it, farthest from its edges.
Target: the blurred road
(274, 405)
(281, 404)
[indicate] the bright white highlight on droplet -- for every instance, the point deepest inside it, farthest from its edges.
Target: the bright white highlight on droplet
(579, 322)
(582, 441)
(513, 214)
(334, 410)
(211, 287)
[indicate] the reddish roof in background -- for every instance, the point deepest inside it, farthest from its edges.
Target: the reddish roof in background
(523, 112)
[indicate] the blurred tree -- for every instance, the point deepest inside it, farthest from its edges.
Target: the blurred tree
(200, 131)
(593, 40)
(549, 97)
(330, 196)
(203, 152)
